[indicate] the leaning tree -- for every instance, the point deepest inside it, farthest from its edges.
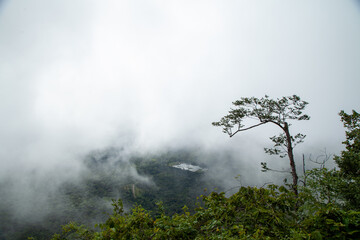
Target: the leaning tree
(263, 111)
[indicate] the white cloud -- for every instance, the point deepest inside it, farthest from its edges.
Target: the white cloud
(75, 76)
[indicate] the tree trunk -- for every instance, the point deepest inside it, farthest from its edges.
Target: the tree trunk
(291, 158)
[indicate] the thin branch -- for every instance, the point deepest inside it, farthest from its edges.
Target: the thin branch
(325, 157)
(244, 129)
(279, 171)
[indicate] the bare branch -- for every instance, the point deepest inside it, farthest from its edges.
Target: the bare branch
(244, 129)
(321, 159)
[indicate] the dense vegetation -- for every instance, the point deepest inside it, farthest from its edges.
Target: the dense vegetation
(142, 179)
(324, 208)
(252, 213)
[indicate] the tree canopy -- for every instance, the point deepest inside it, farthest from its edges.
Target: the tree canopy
(266, 110)
(251, 213)
(349, 160)
(322, 209)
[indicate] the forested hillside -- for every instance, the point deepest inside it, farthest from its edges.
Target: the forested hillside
(324, 206)
(147, 196)
(142, 179)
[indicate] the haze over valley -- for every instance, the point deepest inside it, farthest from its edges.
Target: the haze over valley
(102, 100)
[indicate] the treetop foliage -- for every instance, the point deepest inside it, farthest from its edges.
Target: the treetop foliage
(349, 161)
(326, 207)
(251, 213)
(265, 110)
(352, 124)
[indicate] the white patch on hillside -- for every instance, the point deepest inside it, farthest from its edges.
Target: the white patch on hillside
(189, 167)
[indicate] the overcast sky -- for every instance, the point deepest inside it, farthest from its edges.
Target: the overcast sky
(78, 75)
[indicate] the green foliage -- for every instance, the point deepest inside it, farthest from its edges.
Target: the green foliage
(333, 223)
(325, 208)
(88, 201)
(321, 209)
(266, 110)
(74, 231)
(281, 144)
(323, 186)
(174, 187)
(317, 212)
(352, 123)
(251, 213)
(137, 225)
(349, 161)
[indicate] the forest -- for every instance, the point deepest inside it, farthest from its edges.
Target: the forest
(200, 119)
(88, 201)
(179, 204)
(323, 204)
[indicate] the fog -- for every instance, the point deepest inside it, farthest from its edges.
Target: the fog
(79, 76)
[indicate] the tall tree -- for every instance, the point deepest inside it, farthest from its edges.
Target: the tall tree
(266, 110)
(349, 161)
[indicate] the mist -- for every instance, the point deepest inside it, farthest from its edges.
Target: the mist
(84, 76)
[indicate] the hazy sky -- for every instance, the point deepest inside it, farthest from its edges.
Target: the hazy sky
(78, 75)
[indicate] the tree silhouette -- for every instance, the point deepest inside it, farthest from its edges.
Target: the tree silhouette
(266, 110)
